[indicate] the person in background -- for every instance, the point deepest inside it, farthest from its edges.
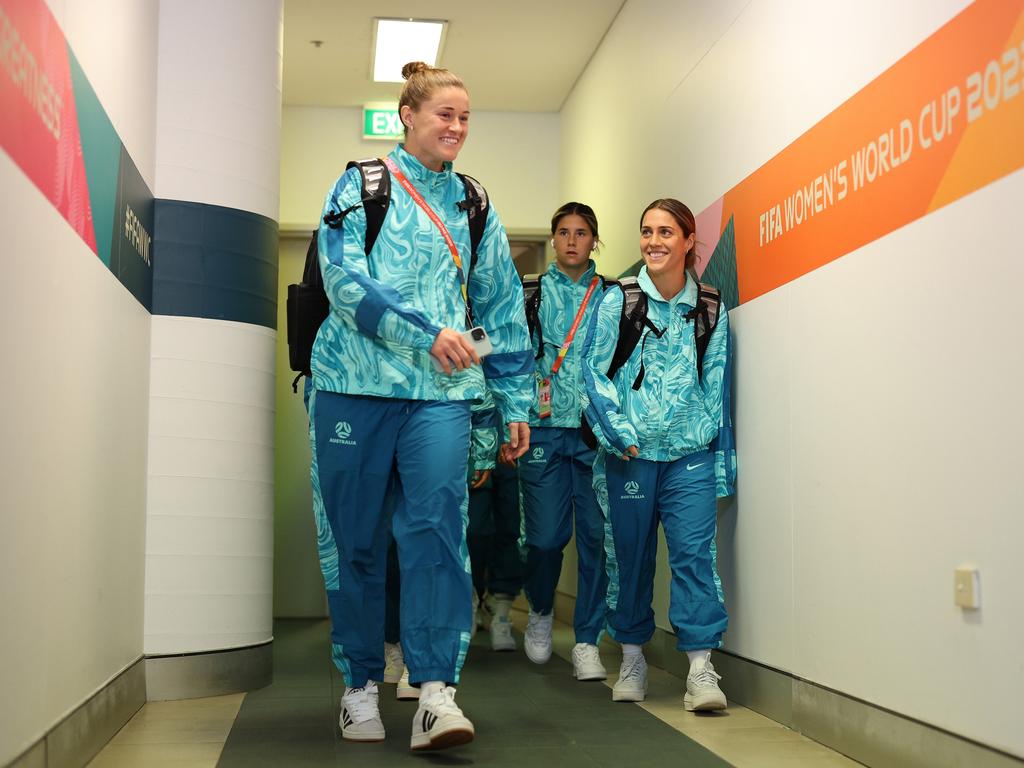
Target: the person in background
(493, 533)
(556, 477)
(666, 451)
(380, 411)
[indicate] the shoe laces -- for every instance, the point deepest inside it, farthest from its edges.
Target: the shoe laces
(538, 628)
(586, 653)
(633, 667)
(361, 703)
(706, 675)
(442, 702)
(393, 655)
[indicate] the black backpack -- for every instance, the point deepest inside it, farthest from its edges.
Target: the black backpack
(308, 307)
(531, 300)
(632, 322)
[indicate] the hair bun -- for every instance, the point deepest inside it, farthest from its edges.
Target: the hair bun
(412, 68)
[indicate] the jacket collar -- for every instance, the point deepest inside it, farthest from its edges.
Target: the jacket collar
(686, 296)
(556, 274)
(416, 171)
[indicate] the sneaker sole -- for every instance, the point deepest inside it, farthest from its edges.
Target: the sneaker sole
(537, 659)
(364, 737)
(628, 695)
(455, 736)
(503, 647)
(706, 703)
(408, 694)
(588, 676)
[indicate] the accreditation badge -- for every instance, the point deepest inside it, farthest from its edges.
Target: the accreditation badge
(544, 398)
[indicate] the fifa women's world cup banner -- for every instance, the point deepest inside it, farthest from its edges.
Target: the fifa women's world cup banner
(56, 131)
(944, 121)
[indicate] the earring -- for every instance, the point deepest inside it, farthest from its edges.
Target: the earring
(552, 242)
(409, 126)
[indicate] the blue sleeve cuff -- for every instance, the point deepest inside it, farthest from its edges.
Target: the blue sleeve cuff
(505, 364)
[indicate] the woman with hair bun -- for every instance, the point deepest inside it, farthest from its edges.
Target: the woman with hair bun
(666, 451)
(393, 380)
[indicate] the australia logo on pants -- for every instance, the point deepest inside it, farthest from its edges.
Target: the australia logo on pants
(343, 430)
(632, 490)
(538, 456)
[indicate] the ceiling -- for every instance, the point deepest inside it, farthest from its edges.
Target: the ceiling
(521, 56)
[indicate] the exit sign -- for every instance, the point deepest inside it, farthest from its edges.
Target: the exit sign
(381, 121)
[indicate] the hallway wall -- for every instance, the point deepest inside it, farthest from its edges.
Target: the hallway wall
(76, 345)
(316, 142)
(877, 420)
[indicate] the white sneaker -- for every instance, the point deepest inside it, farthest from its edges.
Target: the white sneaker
(439, 723)
(537, 641)
(702, 691)
(360, 716)
(406, 690)
(586, 663)
(394, 662)
(632, 682)
(501, 627)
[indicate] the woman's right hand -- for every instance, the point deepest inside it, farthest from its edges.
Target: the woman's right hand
(451, 350)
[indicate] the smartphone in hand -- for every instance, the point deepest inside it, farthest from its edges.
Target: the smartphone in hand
(477, 338)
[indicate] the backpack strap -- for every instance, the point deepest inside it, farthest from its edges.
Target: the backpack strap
(705, 318)
(710, 300)
(376, 197)
(476, 206)
(632, 322)
(531, 301)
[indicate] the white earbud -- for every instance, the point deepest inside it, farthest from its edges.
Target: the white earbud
(552, 242)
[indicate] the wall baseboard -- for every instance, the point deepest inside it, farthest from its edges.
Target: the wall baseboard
(79, 737)
(196, 675)
(862, 731)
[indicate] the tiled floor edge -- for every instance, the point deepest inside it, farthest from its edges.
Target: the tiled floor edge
(862, 731)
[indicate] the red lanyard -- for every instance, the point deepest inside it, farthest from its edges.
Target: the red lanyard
(415, 195)
(575, 324)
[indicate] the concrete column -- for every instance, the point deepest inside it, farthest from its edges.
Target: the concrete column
(209, 537)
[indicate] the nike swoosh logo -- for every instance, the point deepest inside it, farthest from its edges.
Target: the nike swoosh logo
(691, 467)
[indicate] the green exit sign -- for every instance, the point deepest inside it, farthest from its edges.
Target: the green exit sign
(381, 121)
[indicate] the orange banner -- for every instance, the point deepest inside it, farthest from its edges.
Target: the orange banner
(945, 120)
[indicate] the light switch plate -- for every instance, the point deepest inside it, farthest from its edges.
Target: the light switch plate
(967, 587)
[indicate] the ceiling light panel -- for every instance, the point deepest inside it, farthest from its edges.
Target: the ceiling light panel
(399, 41)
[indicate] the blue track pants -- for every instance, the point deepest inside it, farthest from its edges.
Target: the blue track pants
(422, 447)
(556, 481)
(637, 495)
(493, 534)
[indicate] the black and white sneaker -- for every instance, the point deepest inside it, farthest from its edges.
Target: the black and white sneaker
(360, 715)
(439, 723)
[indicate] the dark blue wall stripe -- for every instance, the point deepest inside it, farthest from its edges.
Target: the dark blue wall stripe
(214, 262)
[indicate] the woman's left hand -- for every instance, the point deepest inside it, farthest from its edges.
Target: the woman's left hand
(519, 440)
(480, 477)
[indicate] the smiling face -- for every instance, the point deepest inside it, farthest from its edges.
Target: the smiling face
(573, 241)
(663, 244)
(437, 130)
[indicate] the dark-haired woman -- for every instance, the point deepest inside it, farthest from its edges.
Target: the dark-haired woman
(666, 452)
(556, 478)
(380, 407)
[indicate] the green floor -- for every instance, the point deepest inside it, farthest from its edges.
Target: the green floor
(525, 715)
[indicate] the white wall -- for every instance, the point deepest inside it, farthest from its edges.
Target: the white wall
(877, 419)
(74, 409)
(513, 154)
